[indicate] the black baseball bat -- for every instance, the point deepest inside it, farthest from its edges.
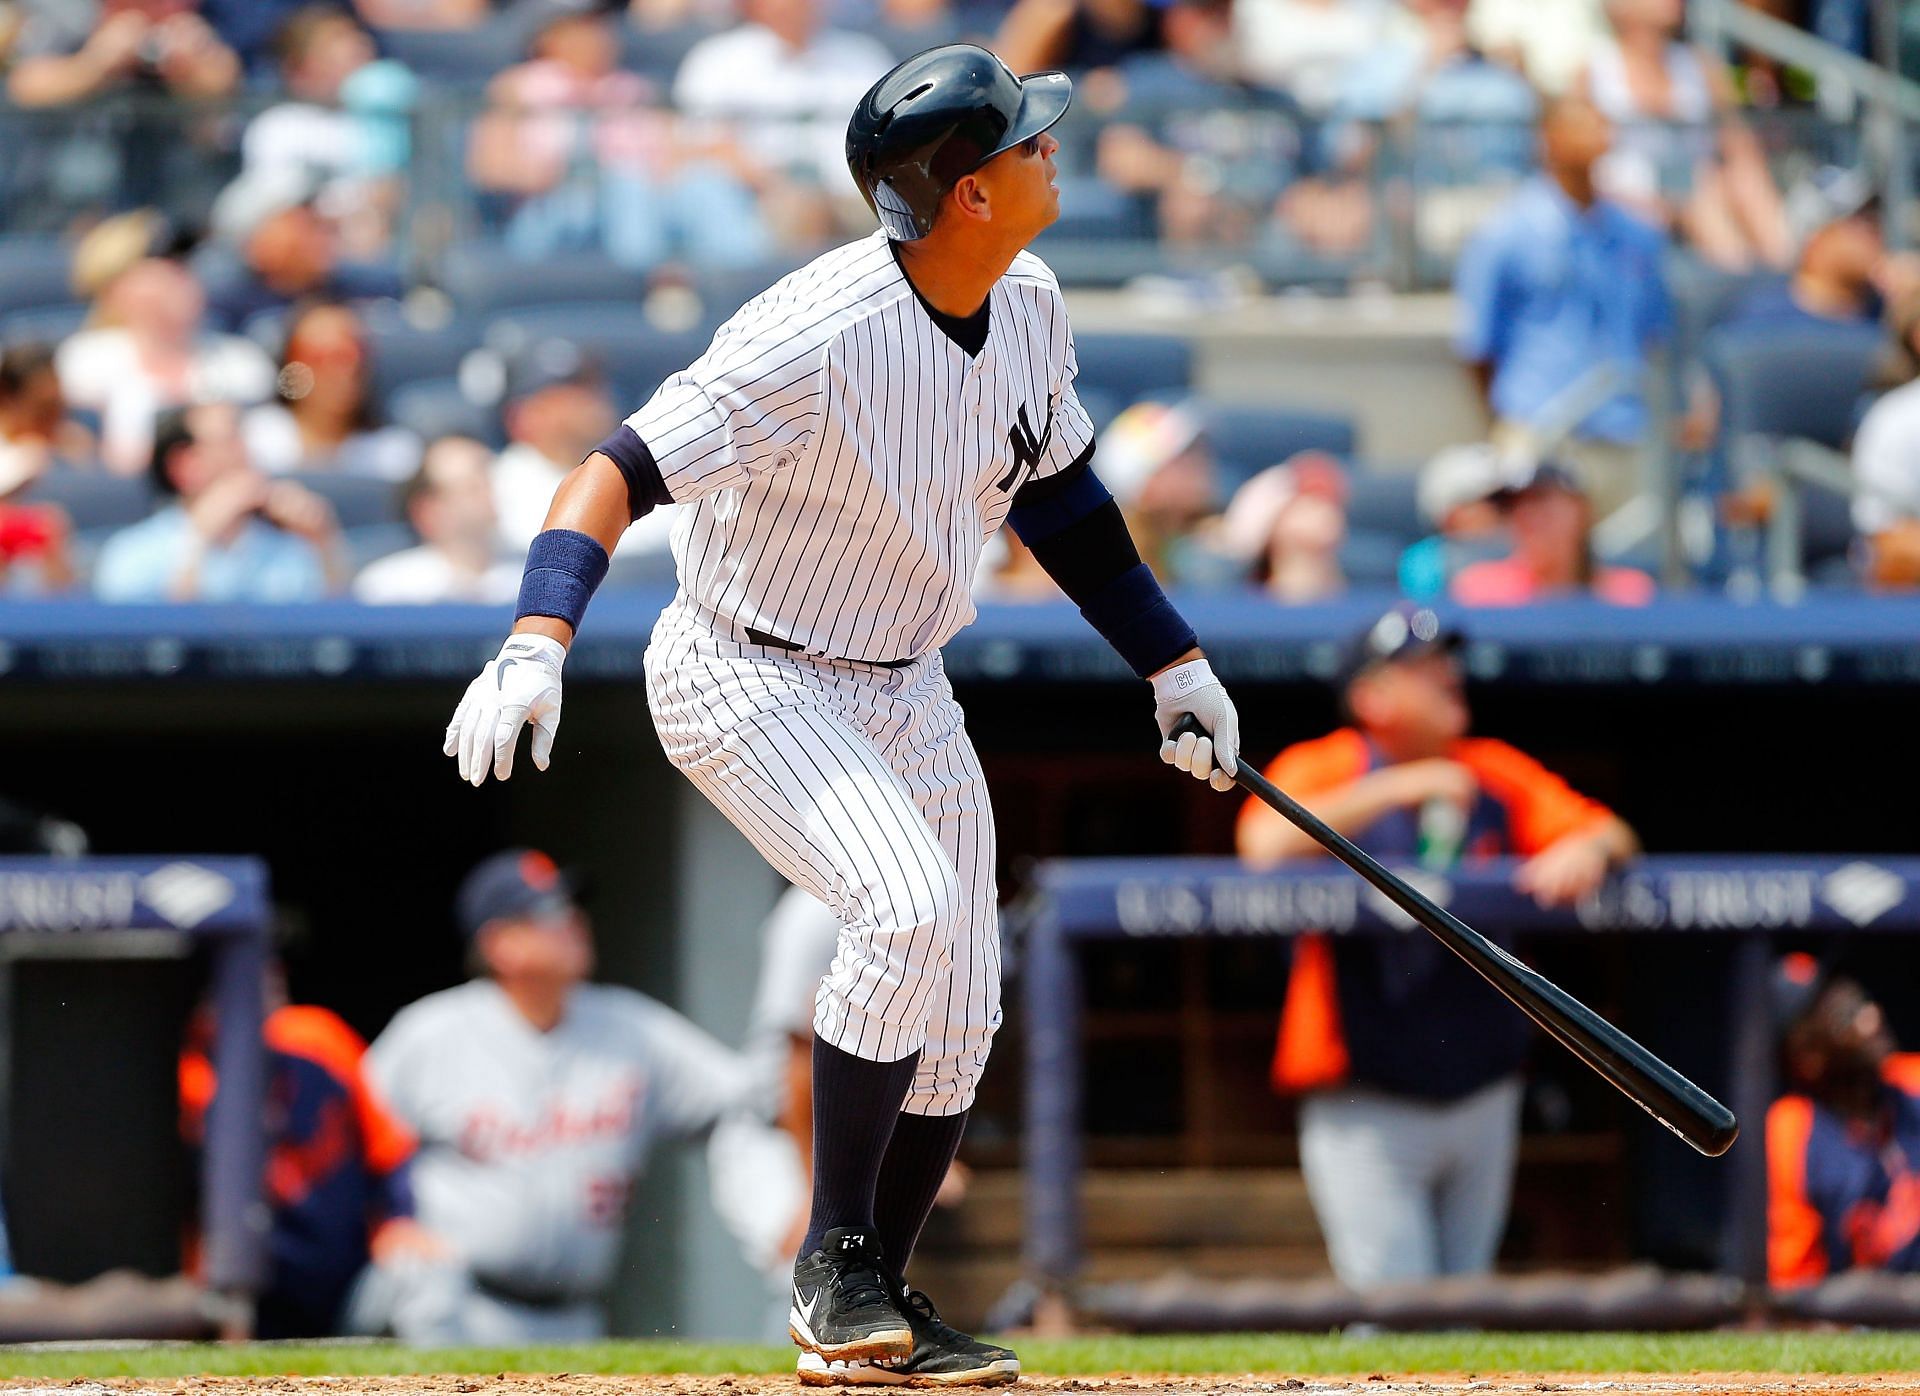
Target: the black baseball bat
(1642, 1077)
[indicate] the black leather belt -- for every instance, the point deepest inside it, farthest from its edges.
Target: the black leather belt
(774, 642)
(527, 1298)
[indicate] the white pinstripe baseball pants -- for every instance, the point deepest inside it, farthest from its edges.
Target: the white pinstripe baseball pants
(861, 785)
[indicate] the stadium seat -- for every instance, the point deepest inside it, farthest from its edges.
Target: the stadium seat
(375, 541)
(1703, 296)
(1118, 370)
(1247, 440)
(435, 407)
(359, 501)
(96, 503)
(1792, 382)
(400, 352)
(42, 324)
(1384, 504)
(463, 57)
(723, 290)
(656, 53)
(1370, 558)
(485, 279)
(633, 357)
(33, 272)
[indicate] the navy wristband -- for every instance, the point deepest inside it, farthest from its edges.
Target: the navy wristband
(1134, 616)
(563, 568)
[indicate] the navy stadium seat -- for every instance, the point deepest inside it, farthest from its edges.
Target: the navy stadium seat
(96, 503)
(1247, 440)
(375, 541)
(656, 53)
(633, 357)
(1384, 504)
(463, 57)
(34, 272)
(1370, 558)
(435, 407)
(399, 352)
(1118, 370)
(359, 501)
(485, 279)
(42, 324)
(1803, 382)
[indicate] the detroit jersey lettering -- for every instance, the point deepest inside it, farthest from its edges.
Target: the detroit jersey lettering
(845, 460)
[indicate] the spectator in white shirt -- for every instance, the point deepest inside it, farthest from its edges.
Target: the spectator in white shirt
(449, 502)
(148, 353)
(785, 83)
(1886, 459)
(347, 124)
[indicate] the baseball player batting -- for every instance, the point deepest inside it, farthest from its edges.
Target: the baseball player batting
(842, 451)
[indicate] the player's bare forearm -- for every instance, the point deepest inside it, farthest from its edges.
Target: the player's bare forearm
(591, 500)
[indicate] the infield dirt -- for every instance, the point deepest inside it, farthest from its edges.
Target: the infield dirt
(1373, 1384)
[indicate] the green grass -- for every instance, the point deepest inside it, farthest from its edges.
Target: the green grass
(1229, 1353)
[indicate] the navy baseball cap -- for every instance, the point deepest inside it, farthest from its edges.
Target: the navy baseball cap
(1798, 979)
(1408, 631)
(519, 882)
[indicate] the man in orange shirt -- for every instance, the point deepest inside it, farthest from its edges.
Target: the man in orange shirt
(1407, 1060)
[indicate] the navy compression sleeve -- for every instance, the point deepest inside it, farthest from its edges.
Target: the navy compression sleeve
(1077, 534)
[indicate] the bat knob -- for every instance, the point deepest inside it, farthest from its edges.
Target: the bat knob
(1187, 723)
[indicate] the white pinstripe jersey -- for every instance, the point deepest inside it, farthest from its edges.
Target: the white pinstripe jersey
(846, 460)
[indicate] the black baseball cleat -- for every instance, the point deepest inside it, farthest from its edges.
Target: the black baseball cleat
(942, 1356)
(843, 1306)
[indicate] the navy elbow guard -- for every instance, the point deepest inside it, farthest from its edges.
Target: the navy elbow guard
(563, 568)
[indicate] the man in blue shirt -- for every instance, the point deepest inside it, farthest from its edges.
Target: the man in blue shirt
(230, 532)
(1559, 290)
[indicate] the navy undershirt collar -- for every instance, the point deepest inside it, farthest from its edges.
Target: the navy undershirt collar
(969, 332)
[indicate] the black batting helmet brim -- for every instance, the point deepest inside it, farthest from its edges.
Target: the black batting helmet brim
(1044, 98)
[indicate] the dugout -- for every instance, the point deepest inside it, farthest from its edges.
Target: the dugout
(309, 736)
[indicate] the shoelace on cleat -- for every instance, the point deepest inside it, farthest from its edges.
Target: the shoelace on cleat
(917, 1301)
(858, 1284)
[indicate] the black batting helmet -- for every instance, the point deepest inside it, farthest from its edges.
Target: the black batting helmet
(940, 115)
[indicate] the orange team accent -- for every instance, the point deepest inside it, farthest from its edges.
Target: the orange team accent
(316, 1034)
(300, 1030)
(1796, 1254)
(1311, 1052)
(1902, 1072)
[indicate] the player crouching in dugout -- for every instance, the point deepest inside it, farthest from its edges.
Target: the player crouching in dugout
(1407, 1061)
(536, 1098)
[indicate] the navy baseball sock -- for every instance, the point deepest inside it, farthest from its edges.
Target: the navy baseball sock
(918, 1157)
(855, 1105)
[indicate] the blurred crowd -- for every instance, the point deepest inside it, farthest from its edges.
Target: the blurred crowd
(257, 358)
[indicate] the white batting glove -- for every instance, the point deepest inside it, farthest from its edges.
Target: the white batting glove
(1192, 688)
(520, 685)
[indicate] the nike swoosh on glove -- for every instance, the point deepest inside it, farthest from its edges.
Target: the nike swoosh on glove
(519, 686)
(1192, 688)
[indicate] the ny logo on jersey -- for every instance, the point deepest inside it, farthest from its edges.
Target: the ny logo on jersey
(1026, 449)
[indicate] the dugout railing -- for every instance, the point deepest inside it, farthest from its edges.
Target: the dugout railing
(163, 907)
(1750, 900)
